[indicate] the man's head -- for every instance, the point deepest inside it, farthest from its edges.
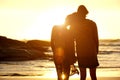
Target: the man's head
(82, 10)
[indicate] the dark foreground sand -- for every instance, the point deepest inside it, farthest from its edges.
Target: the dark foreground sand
(33, 78)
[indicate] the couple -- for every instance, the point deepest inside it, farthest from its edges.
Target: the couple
(77, 34)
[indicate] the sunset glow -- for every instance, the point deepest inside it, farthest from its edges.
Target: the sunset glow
(34, 19)
(41, 28)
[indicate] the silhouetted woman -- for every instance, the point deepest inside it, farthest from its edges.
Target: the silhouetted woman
(62, 43)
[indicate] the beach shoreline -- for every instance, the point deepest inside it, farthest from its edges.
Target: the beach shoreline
(102, 74)
(36, 78)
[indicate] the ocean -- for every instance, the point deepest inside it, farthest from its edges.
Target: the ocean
(109, 60)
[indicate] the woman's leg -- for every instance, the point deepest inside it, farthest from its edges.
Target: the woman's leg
(59, 71)
(93, 73)
(66, 71)
(83, 73)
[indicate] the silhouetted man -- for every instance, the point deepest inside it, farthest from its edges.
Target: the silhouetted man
(86, 37)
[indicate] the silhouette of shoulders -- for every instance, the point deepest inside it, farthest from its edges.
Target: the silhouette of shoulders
(87, 22)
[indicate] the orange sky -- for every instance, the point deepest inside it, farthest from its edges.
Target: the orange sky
(33, 19)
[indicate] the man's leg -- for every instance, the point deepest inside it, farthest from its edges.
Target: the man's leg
(93, 73)
(82, 73)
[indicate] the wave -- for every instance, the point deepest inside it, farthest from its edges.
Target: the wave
(109, 40)
(109, 67)
(18, 74)
(109, 44)
(108, 52)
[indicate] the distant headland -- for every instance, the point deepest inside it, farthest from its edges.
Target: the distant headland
(11, 49)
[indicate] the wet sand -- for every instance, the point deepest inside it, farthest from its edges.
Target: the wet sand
(34, 78)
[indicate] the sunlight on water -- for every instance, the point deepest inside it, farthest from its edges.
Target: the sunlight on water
(111, 72)
(109, 60)
(51, 75)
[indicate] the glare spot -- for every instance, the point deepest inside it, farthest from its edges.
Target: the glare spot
(63, 76)
(68, 27)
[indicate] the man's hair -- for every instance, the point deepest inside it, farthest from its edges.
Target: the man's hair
(82, 9)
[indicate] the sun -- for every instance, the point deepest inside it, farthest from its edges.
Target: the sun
(41, 28)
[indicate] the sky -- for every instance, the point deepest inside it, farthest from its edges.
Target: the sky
(34, 19)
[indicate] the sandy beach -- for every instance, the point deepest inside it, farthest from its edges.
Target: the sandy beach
(102, 74)
(34, 78)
